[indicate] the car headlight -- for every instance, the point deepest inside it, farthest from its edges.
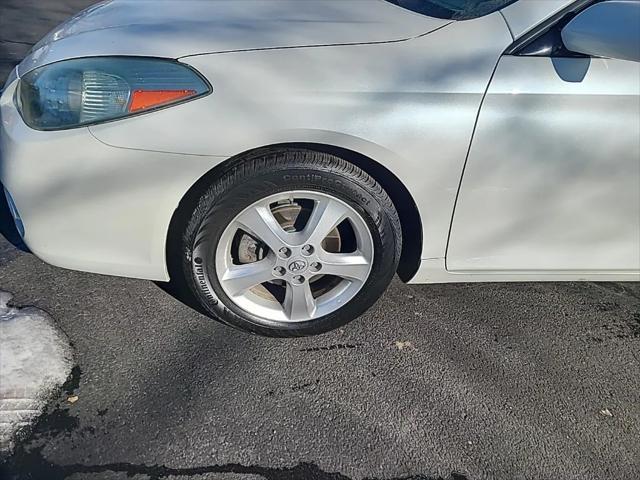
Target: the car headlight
(86, 91)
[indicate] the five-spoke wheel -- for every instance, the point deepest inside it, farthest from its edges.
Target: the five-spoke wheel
(294, 256)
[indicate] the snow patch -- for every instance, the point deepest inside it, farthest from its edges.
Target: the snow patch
(35, 360)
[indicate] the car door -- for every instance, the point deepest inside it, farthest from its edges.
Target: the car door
(552, 179)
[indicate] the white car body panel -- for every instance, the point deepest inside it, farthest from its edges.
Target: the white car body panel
(327, 104)
(553, 177)
(398, 87)
(190, 27)
(421, 121)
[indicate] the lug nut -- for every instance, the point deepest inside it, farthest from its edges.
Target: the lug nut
(285, 252)
(307, 250)
(279, 271)
(298, 279)
(315, 266)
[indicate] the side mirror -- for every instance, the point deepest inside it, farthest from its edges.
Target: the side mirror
(608, 29)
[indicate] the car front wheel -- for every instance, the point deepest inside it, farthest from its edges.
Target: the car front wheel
(290, 243)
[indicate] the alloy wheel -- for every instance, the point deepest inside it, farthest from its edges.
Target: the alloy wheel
(294, 256)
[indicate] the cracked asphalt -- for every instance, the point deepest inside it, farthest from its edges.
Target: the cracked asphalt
(461, 382)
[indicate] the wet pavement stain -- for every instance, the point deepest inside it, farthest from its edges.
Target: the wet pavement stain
(303, 386)
(56, 420)
(634, 325)
(337, 346)
(33, 466)
(624, 329)
(73, 382)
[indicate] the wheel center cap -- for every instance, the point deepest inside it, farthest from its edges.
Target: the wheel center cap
(297, 266)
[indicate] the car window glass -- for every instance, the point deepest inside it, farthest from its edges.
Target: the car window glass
(453, 9)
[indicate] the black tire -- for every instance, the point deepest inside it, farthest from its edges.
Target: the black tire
(267, 172)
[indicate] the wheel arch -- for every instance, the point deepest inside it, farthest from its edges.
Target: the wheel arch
(402, 199)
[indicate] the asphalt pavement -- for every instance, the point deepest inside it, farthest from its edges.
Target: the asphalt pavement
(462, 382)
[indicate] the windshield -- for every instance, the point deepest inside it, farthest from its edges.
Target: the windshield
(453, 9)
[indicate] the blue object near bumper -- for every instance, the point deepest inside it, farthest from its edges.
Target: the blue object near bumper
(14, 213)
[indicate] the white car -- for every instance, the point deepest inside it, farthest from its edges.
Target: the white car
(280, 160)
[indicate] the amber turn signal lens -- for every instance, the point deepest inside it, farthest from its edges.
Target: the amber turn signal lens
(146, 99)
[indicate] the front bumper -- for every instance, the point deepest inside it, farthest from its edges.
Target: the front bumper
(88, 206)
